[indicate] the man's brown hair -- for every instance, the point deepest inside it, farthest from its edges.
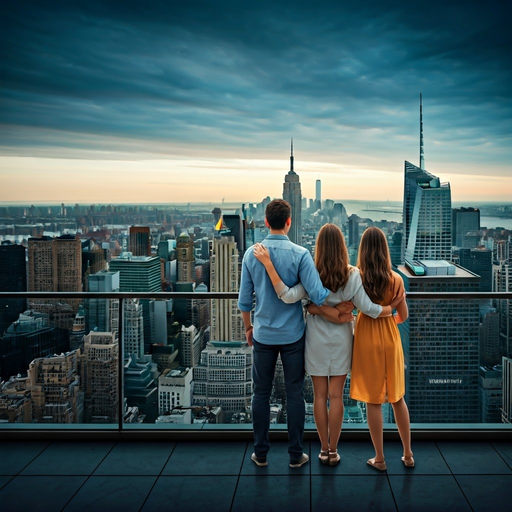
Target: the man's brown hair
(277, 213)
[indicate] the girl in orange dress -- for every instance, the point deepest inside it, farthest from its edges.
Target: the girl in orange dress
(378, 373)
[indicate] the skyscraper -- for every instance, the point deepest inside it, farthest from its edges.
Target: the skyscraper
(226, 320)
(235, 224)
(55, 264)
(318, 193)
(76, 337)
(56, 391)
(464, 220)
(426, 212)
(13, 278)
(223, 376)
(103, 314)
(440, 341)
(133, 329)
(491, 394)
(292, 194)
(503, 283)
(30, 337)
(139, 274)
(190, 352)
(479, 261)
(93, 260)
(490, 338)
(140, 388)
(140, 241)
(353, 231)
(174, 389)
(186, 258)
(506, 408)
(99, 371)
(427, 216)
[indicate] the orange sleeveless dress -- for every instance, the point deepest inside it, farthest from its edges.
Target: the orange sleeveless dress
(378, 373)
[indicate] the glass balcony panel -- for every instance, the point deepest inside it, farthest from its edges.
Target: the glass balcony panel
(60, 365)
(56, 371)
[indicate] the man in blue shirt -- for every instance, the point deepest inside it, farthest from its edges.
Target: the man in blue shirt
(279, 328)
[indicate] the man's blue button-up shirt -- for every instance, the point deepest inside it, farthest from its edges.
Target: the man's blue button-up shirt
(277, 323)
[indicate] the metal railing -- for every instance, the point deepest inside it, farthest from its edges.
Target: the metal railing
(452, 430)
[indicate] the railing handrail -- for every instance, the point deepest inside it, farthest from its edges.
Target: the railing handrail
(228, 295)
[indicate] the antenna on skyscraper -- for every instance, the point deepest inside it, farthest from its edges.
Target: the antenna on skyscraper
(422, 156)
(291, 157)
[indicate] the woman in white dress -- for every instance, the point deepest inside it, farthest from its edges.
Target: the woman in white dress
(329, 330)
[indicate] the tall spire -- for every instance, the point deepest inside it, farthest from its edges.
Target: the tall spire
(422, 156)
(291, 158)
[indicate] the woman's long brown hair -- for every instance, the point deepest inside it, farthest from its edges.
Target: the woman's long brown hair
(374, 263)
(331, 257)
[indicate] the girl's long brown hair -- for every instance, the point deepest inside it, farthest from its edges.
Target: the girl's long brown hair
(374, 263)
(331, 257)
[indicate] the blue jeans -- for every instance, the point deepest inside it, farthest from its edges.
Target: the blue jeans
(264, 364)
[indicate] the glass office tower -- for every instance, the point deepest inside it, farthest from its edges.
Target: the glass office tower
(427, 216)
(440, 341)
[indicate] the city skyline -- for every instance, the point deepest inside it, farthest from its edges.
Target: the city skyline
(118, 103)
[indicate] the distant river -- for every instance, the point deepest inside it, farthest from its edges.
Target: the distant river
(493, 222)
(392, 211)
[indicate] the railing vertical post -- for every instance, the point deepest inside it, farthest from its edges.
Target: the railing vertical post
(120, 366)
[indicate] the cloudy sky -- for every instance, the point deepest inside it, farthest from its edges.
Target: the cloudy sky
(144, 101)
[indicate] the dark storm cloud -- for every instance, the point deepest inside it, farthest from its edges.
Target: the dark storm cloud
(252, 74)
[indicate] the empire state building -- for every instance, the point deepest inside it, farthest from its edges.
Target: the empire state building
(292, 194)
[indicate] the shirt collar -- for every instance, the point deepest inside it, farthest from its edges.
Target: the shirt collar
(277, 237)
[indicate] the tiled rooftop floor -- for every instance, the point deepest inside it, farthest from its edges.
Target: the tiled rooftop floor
(219, 476)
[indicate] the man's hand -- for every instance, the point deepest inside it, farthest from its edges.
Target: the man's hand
(345, 307)
(248, 335)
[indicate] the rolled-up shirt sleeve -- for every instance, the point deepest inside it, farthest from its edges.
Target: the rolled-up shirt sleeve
(290, 295)
(363, 302)
(246, 292)
(310, 279)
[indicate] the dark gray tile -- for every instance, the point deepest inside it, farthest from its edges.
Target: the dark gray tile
(354, 455)
(272, 492)
(504, 448)
(191, 493)
(425, 493)
(112, 493)
(206, 458)
(278, 461)
(487, 492)
(4, 480)
(136, 458)
(470, 458)
(342, 492)
(427, 457)
(16, 455)
(69, 458)
(39, 493)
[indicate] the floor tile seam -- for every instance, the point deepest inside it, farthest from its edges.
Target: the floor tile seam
(158, 477)
(28, 464)
(443, 457)
(463, 493)
(501, 456)
(157, 474)
(238, 477)
(88, 477)
(310, 478)
(8, 481)
(391, 489)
